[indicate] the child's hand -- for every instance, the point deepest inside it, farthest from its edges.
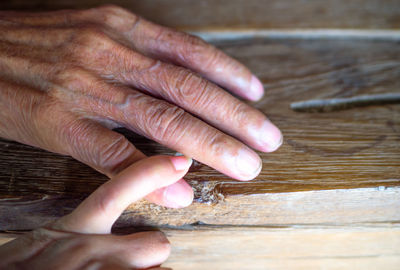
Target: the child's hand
(82, 239)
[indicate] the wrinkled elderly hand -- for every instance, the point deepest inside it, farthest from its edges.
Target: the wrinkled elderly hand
(68, 78)
(82, 240)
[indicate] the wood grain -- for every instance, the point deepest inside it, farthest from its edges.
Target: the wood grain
(357, 148)
(261, 14)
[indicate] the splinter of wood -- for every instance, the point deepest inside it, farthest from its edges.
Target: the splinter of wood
(336, 104)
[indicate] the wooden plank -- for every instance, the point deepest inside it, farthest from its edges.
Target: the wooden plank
(211, 14)
(347, 206)
(286, 248)
(357, 148)
(299, 247)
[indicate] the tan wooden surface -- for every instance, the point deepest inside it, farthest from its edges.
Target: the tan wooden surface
(328, 199)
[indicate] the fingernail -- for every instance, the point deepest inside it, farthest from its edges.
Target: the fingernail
(179, 194)
(256, 90)
(248, 164)
(270, 137)
(181, 162)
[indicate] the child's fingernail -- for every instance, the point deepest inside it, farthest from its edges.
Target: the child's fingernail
(181, 162)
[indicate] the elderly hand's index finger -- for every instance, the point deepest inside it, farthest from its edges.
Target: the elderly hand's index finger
(197, 55)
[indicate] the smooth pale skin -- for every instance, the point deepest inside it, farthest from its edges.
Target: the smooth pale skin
(82, 239)
(67, 78)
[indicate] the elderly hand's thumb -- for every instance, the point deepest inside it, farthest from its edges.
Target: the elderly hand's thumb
(101, 209)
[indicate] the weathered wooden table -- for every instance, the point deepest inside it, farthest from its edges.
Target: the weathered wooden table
(328, 199)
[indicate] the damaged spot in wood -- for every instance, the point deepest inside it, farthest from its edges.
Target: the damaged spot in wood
(206, 192)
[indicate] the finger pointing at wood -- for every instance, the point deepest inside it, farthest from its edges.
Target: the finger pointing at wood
(101, 209)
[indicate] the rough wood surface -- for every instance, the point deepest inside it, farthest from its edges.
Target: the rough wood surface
(366, 247)
(295, 14)
(357, 148)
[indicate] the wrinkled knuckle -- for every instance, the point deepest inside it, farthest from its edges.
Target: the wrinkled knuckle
(72, 78)
(241, 113)
(191, 41)
(165, 120)
(187, 86)
(35, 110)
(116, 17)
(73, 129)
(110, 8)
(106, 156)
(90, 45)
(212, 58)
(92, 35)
(194, 49)
(113, 154)
(217, 143)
